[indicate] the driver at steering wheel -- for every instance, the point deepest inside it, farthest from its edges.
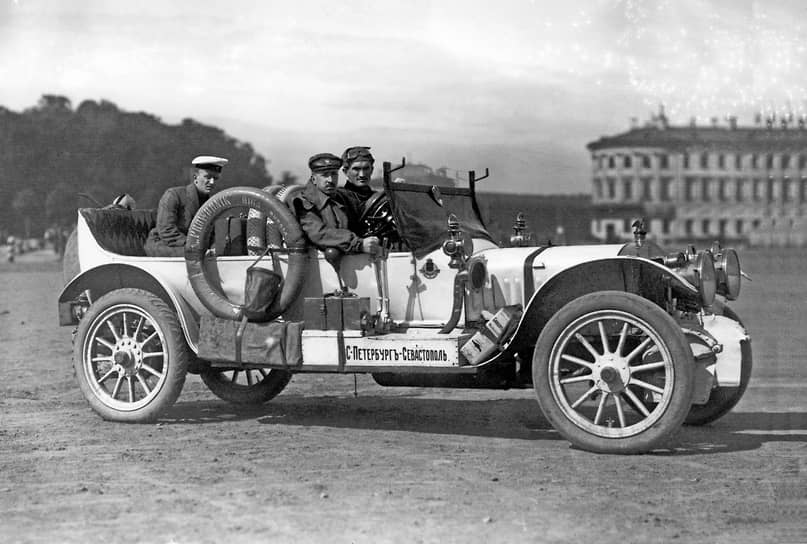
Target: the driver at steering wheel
(357, 164)
(323, 213)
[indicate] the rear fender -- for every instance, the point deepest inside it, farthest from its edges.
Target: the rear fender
(642, 277)
(103, 279)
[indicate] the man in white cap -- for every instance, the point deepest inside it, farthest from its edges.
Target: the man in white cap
(178, 205)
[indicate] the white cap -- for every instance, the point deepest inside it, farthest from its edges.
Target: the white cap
(207, 160)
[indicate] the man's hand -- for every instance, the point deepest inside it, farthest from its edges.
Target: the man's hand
(371, 245)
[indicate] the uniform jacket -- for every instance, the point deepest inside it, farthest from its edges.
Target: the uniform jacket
(326, 220)
(175, 212)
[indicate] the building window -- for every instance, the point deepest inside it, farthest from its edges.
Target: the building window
(611, 188)
(802, 161)
(705, 227)
(769, 161)
(705, 183)
(665, 226)
(756, 223)
(754, 161)
(665, 192)
(721, 161)
(721, 190)
(628, 161)
(689, 189)
(646, 191)
(738, 189)
(738, 226)
(769, 190)
(611, 162)
(738, 161)
(664, 162)
(598, 188)
(685, 160)
(646, 161)
(803, 191)
(704, 160)
(688, 227)
(785, 161)
(627, 188)
(721, 227)
(758, 190)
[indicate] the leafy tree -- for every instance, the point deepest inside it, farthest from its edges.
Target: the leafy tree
(26, 204)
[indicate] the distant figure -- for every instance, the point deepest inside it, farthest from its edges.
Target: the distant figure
(178, 205)
(323, 213)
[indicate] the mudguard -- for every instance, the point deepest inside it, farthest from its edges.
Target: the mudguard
(105, 278)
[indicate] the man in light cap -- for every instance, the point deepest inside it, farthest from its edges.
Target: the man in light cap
(178, 205)
(323, 213)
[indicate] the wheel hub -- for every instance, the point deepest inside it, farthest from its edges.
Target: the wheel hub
(128, 356)
(612, 373)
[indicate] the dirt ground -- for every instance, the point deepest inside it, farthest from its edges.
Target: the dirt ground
(390, 465)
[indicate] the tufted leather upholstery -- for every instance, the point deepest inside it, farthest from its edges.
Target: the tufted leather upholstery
(120, 231)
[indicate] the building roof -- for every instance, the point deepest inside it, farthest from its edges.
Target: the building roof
(725, 138)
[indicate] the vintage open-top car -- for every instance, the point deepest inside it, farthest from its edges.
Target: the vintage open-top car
(622, 343)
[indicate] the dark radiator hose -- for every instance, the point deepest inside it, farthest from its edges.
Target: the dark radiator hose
(459, 298)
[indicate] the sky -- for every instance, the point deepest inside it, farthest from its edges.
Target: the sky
(517, 86)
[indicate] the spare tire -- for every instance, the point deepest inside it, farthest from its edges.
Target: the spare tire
(199, 234)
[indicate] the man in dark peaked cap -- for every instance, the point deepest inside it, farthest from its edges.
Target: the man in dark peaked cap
(324, 214)
(178, 205)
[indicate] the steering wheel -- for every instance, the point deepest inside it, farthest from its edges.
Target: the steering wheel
(377, 220)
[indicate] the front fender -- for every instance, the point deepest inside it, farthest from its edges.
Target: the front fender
(105, 278)
(630, 274)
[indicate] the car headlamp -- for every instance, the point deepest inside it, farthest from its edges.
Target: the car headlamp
(699, 270)
(728, 273)
(477, 272)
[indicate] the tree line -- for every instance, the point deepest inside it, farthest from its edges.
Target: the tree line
(52, 152)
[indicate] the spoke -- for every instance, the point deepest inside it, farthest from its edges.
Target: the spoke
(645, 385)
(125, 332)
(131, 388)
(619, 411)
(106, 376)
(623, 335)
(585, 395)
(264, 374)
(153, 354)
(639, 405)
(150, 336)
(114, 332)
(597, 417)
(638, 350)
(105, 343)
(143, 384)
(151, 371)
(586, 378)
(104, 359)
(603, 337)
(648, 366)
(116, 389)
(235, 376)
(249, 377)
(138, 328)
(577, 360)
(585, 343)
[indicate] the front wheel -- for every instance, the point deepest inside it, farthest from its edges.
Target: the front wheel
(245, 387)
(130, 356)
(613, 373)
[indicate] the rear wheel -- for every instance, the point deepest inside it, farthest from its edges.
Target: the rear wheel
(130, 356)
(613, 373)
(246, 387)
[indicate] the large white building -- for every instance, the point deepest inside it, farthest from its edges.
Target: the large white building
(703, 183)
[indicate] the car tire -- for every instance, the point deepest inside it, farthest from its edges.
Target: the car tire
(723, 399)
(593, 356)
(202, 280)
(130, 357)
(245, 387)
